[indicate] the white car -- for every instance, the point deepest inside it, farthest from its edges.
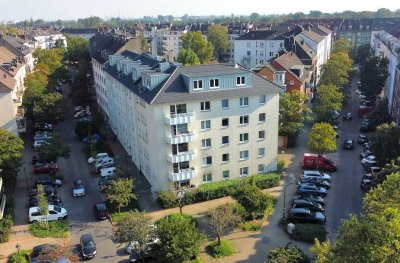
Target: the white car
(78, 189)
(368, 159)
(315, 174)
(55, 213)
(109, 171)
(133, 244)
(36, 144)
(105, 162)
(98, 157)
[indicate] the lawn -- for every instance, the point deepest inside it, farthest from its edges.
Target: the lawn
(56, 229)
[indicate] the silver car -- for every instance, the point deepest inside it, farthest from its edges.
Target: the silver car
(78, 189)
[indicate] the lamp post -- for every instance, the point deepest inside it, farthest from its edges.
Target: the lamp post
(18, 247)
(179, 196)
(284, 199)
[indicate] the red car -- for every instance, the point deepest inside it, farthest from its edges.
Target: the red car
(42, 168)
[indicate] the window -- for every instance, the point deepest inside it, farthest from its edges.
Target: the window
(291, 82)
(243, 137)
(207, 161)
(262, 99)
(240, 81)
(206, 143)
(225, 174)
(225, 157)
(197, 84)
(244, 155)
(177, 109)
(205, 106)
(271, 54)
(225, 122)
(225, 104)
(207, 178)
(244, 120)
(179, 148)
(261, 117)
(214, 83)
(248, 44)
(261, 135)
(244, 171)
(205, 125)
(225, 140)
(261, 152)
(244, 101)
(260, 168)
(248, 53)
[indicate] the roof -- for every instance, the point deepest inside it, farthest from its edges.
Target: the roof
(313, 36)
(79, 30)
(291, 62)
(105, 42)
(307, 49)
(262, 35)
(18, 43)
(321, 30)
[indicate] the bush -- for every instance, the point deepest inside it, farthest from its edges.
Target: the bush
(309, 232)
(225, 249)
(252, 226)
(56, 229)
(118, 217)
(5, 228)
(218, 189)
(287, 255)
(281, 165)
(21, 257)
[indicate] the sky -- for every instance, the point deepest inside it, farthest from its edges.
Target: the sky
(74, 9)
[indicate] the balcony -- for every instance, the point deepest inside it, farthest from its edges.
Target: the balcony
(185, 174)
(181, 157)
(181, 118)
(180, 138)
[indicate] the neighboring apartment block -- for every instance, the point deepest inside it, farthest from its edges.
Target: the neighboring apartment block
(192, 125)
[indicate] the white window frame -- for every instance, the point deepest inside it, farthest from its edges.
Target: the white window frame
(203, 106)
(206, 143)
(207, 178)
(244, 155)
(214, 83)
(263, 137)
(226, 178)
(205, 161)
(222, 105)
(262, 99)
(262, 119)
(244, 120)
(222, 142)
(261, 152)
(261, 166)
(222, 158)
(222, 124)
(242, 102)
(204, 125)
(242, 137)
(291, 82)
(240, 81)
(197, 84)
(244, 171)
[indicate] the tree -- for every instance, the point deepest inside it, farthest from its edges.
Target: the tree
(48, 108)
(11, 148)
(336, 70)
(78, 48)
(342, 45)
(379, 115)
(385, 141)
(196, 42)
(223, 219)
(377, 240)
(43, 205)
(293, 112)
(322, 139)
(389, 168)
(254, 16)
(121, 192)
(137, 227)
(53, 149)
(179, 238)
(363, 52)
(50, 57)
(373, 74)
(187, 57)
(287, 255)
(329, 99)
(218, 36)
(55, 253)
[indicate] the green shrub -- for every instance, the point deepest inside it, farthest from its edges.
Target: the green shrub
(21, 257)
(225, 249)
(281, 165)
(216, 190)
(309, 232)
(118, 217)
(287, 255)
(263, 181)
(5, 228)
(167, 199)
(56, 229)
(251, 226)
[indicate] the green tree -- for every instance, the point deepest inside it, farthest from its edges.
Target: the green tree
(218, 36)
(379, 115)
(293, 112)
(373, 74)
(322, 139)
(187, 57)
(48, 108)
(121, 192)
(385, 141)
(342, 45)
(43, 205)
(179, 238)
(223, 219)
(53, 149)
(137, 227)
(329, 99)
(11, 148)
(78, 48)
(196, 42)
(387, 169)
(50, 57)
(254, 16)
(336, 70)
(363, 52)
(287, 255)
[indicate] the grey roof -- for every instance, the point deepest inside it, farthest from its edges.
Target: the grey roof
(313, 36)
(262, 35)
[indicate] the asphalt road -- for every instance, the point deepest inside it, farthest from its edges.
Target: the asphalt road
(345, 197)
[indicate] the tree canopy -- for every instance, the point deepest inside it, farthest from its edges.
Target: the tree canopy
(48, 108)
(53, 149)
(11, 148)
(322, 138)
(385, 141)
(287, 255)
(373, 74)
(121, 192)
(223, 219)
(218, 36)
(187, 57)
(329, 99)
(342, 45)
(78, 48)
(196, 42)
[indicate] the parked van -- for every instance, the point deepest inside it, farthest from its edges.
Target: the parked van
(55, 213)
(325, 164)
(105, 162)
(98, 157)
(110, 171)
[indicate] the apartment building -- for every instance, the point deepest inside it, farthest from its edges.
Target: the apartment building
(21, 48)
(192, 125)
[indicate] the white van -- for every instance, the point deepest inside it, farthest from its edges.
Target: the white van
(98, 157)
(55, 213)
(110, 171)
(105, 162)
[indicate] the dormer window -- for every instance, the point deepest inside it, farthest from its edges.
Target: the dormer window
(214, 83)
(197, 84)
(240, 81)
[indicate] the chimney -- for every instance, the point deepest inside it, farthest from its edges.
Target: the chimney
(277, 55)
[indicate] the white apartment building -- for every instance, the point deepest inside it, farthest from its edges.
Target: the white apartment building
(47, 38)
(257, 47)
(192, 125)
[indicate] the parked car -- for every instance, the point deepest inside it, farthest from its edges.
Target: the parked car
(53, 200)
(303, 215)
(88, 247)
(311, 189)
(362, 138)
(365, 128)
(92, 138)
(145, 256)
(43, 127)
(317, 182)
(368, 159)
(37, 143)
(105, 182)
(108, 171)
(315, 174)
(131, 246)
(79, 114)
(47, 180)
(97, 158)
(106, 162)
(314, 198)
(373, 169)
(348, 145)
(301, 203)
(47, 189)
(44, 168)
(78, 189)
(35, 159)
(324, 163)
(366, 154)
(101, 211)
(366, 184)
(348, 116)
(42, 136)
(363, 110)
(55, 213)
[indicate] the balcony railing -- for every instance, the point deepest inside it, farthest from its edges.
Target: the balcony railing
(180, 138)
(182, 118)
(181, 157)
(185, 174)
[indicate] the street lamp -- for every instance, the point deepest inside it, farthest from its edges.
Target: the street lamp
(18, 247)
(284, 199)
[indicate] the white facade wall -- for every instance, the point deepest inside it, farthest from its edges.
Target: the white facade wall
(319, 49)
(7, 113)
(48, 41)
(100, 85)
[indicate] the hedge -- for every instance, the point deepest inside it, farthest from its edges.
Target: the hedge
(309, 232)
(218, 189)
